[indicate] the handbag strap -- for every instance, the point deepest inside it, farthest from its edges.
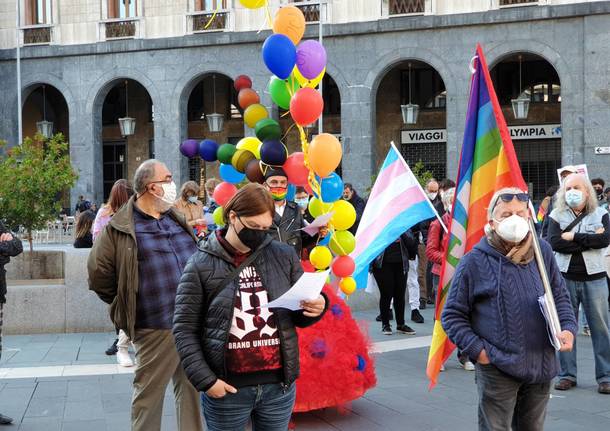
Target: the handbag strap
(233, 274)
(577, 220)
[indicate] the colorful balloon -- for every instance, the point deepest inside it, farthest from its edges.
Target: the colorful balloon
(347, 285)
(274, 153)
(306, 107)
(189, 148)
(295, 169)
(254, 173)
(224, 192)
(324, 154)
(208, 149)
(344, 215)
(251, 144)
(219, 218)
(343, 242)
(268, 129)
(290, 21)
(253, 4)
(292, 190)
(311, 58)
(317, 207)
(281, 91)
(304, 82)
(229, 174)
(279, 55)
(254, 113)
(241, 82)
(325, 240)
(241, 158)
(225, 153)
(343, 266)
(320, 257)
(247, 97)
(331, 187)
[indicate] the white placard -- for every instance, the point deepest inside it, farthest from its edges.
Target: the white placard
(423, 136)
(517, 133)
(602, 150)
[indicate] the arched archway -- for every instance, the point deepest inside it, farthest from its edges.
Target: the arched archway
(537, 138)
(425, 140)
(44, 102)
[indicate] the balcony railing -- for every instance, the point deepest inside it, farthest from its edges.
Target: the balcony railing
(517, 2)
(37, 34)
(122, 28)
(405, 7)
(311, 10)
(199, 20)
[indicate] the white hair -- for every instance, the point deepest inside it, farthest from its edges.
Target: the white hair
(144, 175)
(560, 202)
(493, 203)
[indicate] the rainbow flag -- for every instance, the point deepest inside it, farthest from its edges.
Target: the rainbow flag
(487, 163)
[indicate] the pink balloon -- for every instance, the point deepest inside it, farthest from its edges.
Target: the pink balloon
(311, 58)
(296, 170)
(224, 192)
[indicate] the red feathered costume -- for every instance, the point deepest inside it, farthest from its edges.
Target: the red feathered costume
(334, 353)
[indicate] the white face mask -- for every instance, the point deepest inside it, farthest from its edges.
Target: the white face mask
(193, 199)
(512, 229)
(432, 196)
(169, 193)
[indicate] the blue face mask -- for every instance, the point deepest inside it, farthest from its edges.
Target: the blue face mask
(193, 199)
(574, 198)
(302, 203)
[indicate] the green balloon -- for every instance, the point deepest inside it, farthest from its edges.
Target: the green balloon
(225, 153)
(218, 217)
(268, 129)
(278, 88)
(342, 242)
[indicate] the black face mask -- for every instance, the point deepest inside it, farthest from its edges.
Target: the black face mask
(251, 238)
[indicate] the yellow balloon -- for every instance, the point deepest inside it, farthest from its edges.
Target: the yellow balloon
(347, 285)
(251, 144)
(317, 208)
(342, 242)
(344, 215)
(254, 113)
(304, 82)
(253, 4)
(320, 257)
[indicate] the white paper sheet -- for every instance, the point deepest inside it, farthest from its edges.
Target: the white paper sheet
(313, 227)
(552, 321)
(307, 288)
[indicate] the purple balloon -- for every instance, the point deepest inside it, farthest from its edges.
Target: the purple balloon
(311, 58)
(189, 148)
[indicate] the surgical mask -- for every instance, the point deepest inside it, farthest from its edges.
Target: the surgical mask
(432, 196)
(193, 199)
(302, 203)
(574, 198)
(278, 193)
(169, 193)
(251, 238)
(512, 229)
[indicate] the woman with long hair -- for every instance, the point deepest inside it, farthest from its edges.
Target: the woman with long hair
(82, 231)
(190, 206)
(242, 356)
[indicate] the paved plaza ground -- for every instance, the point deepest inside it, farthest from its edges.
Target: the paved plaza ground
(66, 382)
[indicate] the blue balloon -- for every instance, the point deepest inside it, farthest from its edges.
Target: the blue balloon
(208, 149)
(279, 55)
(331, 187)
(229, 174)
(325, 240)
(292, 190)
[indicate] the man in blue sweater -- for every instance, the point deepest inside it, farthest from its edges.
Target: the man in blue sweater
(492, 315)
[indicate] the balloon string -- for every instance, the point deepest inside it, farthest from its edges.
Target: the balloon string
(213, 16)
(268, 12)
(287, 131)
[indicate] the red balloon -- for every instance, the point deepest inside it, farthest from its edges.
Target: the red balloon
(296, 170)
(306, 106)
(247, 97)
(308, 189)
(241, 82)
(224, 192)
(343, 266)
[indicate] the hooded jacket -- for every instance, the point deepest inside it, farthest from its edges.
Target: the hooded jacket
(203, 316)
(493, 305)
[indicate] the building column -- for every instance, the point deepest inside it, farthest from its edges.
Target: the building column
(85, 155)
(167, 138)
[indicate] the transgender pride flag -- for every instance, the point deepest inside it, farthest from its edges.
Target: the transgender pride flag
(396, 203)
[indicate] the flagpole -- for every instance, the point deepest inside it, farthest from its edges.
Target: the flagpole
(420, 187)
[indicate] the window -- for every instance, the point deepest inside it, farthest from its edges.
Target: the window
(427, 88)
(207, 5)
(122, 9)
(310, 9)
(402, 7)
(38, 12)
(539, 81)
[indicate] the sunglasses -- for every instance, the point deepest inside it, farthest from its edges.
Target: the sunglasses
(508, 197)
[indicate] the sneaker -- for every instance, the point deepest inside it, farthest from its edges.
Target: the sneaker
(586, 331)
(468, 366)
(112, 349)
(404, 329)
(123, 358)
(5, 420)
(416, 316)
(386, 330)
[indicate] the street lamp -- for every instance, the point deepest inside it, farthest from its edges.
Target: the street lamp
(127, 124)
(215, 120)
(44, 127)
(521, 105)
(409, 111)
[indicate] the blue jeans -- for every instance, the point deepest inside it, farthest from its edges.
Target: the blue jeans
(506, 403)
(594, 298)
(269, 406)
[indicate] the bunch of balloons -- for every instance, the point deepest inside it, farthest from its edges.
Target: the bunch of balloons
(297, 67)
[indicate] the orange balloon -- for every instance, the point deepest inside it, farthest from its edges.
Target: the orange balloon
(290, 21)
(324, 154)
(247, 97)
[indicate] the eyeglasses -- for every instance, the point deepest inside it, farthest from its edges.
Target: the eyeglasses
(508, 197)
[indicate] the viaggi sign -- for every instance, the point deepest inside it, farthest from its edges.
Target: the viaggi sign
(535, 131)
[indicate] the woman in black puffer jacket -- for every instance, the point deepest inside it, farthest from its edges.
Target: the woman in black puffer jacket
(243, 356)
